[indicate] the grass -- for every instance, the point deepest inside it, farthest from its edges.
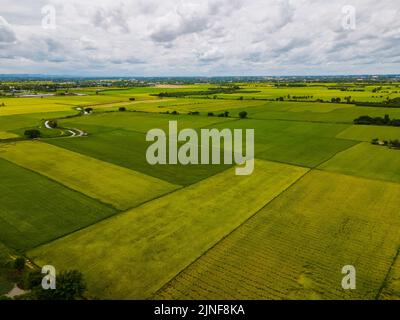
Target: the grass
(35, 210)
(106, 182)
(316, 112)
(299, 143)
(137, 122)
(128, 149)
(391, 288)
(296, 246)
(6, 284)
(367, 160)
(7, 135)
(367, 133)
(158, 239)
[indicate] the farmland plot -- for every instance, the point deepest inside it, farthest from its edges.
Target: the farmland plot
(367, 160)
(296, 246)
(158, 239)
(34, 209)
(128, 149)
(120, 187)
(367, 133)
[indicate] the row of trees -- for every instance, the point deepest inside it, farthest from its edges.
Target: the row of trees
(378, 121)
(391, 143)
(70, 284)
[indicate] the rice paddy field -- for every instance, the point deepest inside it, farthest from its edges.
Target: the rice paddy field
(321, 196)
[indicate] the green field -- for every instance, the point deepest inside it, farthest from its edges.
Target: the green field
(30, 215)
(108, 183)
(367, 133)
(366, 160)
(321, 195)
(6, 283)
(158, 239)
(300, 143)
(296, 246)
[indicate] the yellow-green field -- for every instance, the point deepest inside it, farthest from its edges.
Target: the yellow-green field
(120, 187)
(367, 133)
(321, 195)
(132, 255)
(296, 246)
(7, 135)
(367, 160)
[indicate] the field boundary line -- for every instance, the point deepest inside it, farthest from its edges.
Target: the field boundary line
(228, 234)
(385, 280)
(336, 153)
(120, 212)
(117, 213)
(59, 183)
(296, 120)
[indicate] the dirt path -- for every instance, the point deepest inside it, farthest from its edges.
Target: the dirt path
(74, 133)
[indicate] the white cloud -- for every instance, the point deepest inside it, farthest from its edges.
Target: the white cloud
(214, 37)
(7, 34)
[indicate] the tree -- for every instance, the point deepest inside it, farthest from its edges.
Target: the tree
(226, 114)
(241, 98)
(52, 124)
(19, 263)
(70, 285)
(210, 114)
(243, 114)
(132, 99)
(122, 109)
(32, 133)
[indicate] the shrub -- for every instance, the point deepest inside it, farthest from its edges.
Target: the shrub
(132, 99)
(243, 114)
(122, 109)
(210, 114)
(70, 285)
(52, 124)
(19, 263)
(32, 133)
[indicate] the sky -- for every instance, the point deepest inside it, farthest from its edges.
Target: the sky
(199, 37)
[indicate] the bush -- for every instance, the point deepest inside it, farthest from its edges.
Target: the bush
(132, 99)
(70, 285)
(243, 114)
(19, 263)
(88, 110)
(52, 124)
(122, 109)
(174, 112)
(210, 114)
(32, 133)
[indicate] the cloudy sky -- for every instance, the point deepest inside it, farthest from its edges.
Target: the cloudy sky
(199, 37)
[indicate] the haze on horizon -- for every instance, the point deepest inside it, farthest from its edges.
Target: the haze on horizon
(201, 38)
